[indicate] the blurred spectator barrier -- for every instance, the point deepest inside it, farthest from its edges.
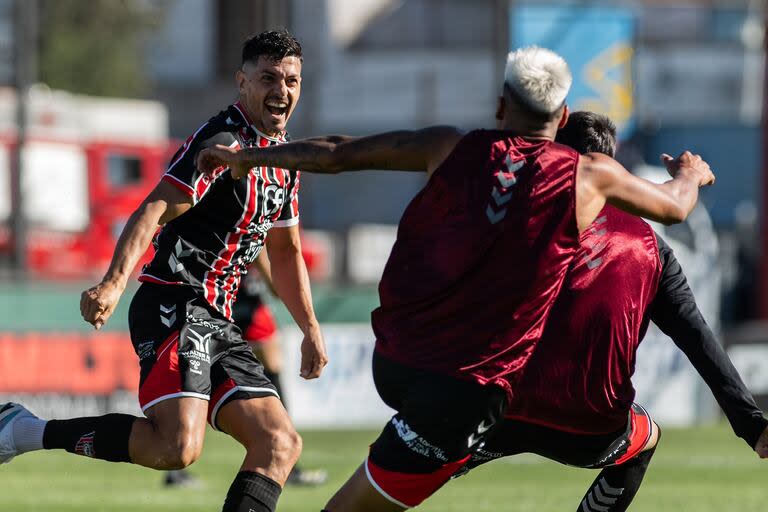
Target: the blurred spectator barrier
(666, 382)
(748, 349)
(87, 163)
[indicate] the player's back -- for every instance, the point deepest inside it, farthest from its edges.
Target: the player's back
(480, 255)
(578, 378)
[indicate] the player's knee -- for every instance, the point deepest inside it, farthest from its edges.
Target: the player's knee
(183, 451)
(286, 446)
(653, 439)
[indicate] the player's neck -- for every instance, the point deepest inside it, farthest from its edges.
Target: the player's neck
(532, 131)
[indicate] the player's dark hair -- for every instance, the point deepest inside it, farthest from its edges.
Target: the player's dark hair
(588, 132)
(273, 44)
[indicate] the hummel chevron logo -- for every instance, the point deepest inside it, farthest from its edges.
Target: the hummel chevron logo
(593, 263)
(495, 217)
(507, 179)
(513, 166)
(501, 196)
(613, 491)
(601, 497)
(501, 199)
(178, 252)
(171, 312)
(482, 428)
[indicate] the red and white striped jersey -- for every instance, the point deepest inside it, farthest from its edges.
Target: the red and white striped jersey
(211, 245)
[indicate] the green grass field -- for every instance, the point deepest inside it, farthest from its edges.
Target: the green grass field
(702, 469)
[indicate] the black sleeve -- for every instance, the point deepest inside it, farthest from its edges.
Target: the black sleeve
(182, 170)
(675, 312)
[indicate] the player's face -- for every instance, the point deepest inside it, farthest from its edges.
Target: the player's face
(269, 91)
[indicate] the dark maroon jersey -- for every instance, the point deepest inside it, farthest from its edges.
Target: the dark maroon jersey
(480, 255)
(578, 378)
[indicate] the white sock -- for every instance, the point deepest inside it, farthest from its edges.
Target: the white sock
(28, 434)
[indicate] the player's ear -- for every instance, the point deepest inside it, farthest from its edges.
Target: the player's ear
(564, 119)
(500, 105)
(241, 79)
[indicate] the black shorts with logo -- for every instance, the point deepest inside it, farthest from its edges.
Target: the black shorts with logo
(514, 436)
(186, 348)
(439, 418)
(440, 422)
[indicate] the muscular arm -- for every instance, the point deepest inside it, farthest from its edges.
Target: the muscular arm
(162, 205)
(420, 150)
(601, 179)
(675, 311)
(291, 282)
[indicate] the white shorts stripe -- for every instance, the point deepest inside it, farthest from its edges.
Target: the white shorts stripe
(229, 393)
(174, 395)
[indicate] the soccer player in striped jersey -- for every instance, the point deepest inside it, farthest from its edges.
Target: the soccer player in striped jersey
(575, 401)
(480, 256)
(195, 366)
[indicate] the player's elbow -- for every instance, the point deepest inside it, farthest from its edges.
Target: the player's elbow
(330, 161)
(150, 212)
(674, 214)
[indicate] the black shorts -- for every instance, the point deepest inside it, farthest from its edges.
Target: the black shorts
(440, 421)
(186, 348)
(513, 437)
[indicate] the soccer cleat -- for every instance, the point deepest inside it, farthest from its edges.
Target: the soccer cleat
(181, 478)
(307, 477)
(9, 413)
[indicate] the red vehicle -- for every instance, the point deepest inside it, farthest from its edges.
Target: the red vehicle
(88, 162)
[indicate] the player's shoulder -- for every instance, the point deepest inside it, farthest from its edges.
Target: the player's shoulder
(223, 128)
(230, 120)
(599, 169)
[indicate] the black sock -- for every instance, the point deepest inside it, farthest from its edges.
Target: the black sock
(101, 437)
(252, 492)
(615, 487)
(274, 377)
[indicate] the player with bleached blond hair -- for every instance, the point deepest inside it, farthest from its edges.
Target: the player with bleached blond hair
(481, 254)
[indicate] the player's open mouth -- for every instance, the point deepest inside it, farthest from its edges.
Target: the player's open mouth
(276, 108)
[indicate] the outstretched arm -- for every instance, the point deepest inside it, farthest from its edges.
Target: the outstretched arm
(420, 150)
(162, 205)
(675, 311)
(601, 179)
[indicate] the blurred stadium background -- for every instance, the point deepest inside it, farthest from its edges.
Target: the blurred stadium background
(96, 94)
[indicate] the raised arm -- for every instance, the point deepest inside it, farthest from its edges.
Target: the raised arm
(419, 150)
(601, 179)
(162, 205)
(675, 311)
